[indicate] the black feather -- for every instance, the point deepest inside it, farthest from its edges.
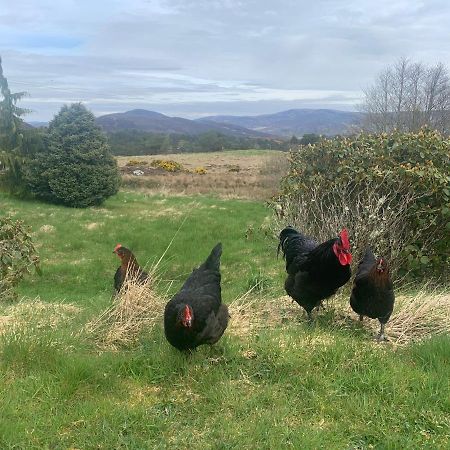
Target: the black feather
(202, 292)
(314, 271)
(372, 294)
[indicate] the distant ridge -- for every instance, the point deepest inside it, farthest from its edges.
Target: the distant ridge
(36, 124)
(151, 121)
(285, 124)
(296, 122)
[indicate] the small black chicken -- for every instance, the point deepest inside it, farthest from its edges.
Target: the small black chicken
(373, 292)
(129, 267)
(196, 314)
(315, 271)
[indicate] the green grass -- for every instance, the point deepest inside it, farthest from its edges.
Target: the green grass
(77, 259)
(295, 386)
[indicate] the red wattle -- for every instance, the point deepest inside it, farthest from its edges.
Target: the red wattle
(345, 258)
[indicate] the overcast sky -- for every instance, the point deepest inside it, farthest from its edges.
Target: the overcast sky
(200, 57)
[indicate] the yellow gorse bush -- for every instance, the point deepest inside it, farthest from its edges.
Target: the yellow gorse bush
(167, 165)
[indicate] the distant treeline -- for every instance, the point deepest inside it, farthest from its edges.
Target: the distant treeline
(133, 143)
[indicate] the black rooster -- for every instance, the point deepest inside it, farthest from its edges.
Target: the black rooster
(373, 292)
(129, 267)
(315, 271)
(196, 314)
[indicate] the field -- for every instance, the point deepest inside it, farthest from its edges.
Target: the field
(273, 381)
(253, 174)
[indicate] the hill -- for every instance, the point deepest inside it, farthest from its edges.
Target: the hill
(284, 124)
(153, 122)
(38, 124)
(295, 122)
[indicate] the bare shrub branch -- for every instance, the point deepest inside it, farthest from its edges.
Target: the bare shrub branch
(373, 215)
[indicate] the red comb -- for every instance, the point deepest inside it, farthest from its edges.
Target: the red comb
(117, 247)
(344, 239)
(187, 313)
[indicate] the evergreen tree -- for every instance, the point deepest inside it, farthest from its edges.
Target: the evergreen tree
(76, 169)
(12, 145)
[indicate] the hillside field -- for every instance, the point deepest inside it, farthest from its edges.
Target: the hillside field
(272, 382)
(244, 174)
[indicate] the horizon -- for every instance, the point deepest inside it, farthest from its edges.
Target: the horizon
(200, 58)
(203, 116)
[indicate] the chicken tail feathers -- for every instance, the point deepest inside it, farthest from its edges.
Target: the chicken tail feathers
(284, 237)
(213, 260)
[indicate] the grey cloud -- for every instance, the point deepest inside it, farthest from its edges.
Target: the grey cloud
(224, 56)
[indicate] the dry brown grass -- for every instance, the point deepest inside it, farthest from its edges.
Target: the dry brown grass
(420, 316)
(36, 313)
(416, 317)
(137, 307)
(258, 176)
(250, 313)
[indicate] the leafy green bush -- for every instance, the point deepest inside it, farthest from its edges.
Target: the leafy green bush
(76, 168)
(391, 190)
(17, 255)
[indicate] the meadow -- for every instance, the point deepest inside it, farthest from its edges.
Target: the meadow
(243, 174)
(282, 383)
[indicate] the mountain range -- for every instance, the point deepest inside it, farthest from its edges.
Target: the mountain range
(296, 122)
(282, 124)
(150, 121)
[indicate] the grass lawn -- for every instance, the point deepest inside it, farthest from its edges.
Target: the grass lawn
(291, 386)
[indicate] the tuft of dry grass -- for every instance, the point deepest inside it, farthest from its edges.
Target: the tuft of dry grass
(416, 317)
(250, 313)
(37, 313)
(47, 229)
(135, 308)
(419, 317)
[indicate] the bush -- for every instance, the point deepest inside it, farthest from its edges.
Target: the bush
(200, 170)
(17, 255)
(76, 168)
(391, 190)
(167, 164)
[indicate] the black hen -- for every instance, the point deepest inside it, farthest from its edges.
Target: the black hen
(129, 267)
(315, 271)
(373, 292)
(196, 314)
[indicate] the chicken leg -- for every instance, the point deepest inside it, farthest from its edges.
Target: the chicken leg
(381, 337)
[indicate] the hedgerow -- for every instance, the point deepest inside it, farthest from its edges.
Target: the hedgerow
(392, 191)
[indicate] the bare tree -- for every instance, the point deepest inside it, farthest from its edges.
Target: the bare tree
(407, 96)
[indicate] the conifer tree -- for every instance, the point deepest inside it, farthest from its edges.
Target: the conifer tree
(76, 169)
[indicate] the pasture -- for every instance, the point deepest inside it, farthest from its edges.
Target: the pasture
(244, 174)
(273, 381)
